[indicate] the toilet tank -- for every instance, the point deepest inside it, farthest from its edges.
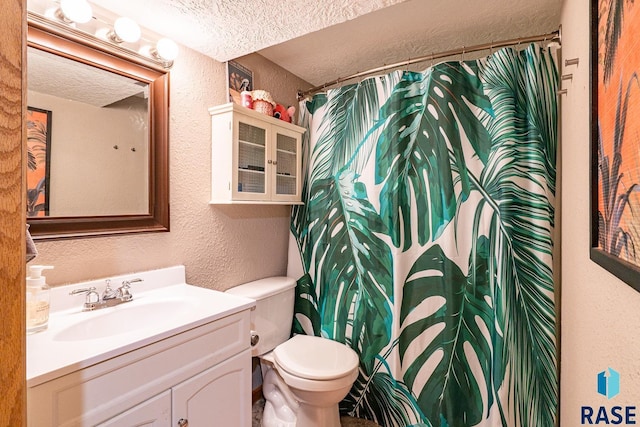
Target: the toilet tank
(273, 315)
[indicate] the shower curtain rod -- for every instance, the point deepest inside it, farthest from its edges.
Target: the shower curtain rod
(553, 36)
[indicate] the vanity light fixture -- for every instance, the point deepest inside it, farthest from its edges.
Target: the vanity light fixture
(73, 11)
(70, 15)
(125, 30)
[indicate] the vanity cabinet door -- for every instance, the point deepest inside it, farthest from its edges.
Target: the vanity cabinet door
(219, 396)
(155, 412)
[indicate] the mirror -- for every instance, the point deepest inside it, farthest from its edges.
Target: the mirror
(97, 137)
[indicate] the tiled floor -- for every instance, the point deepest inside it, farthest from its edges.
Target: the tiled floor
(356, 422)
(346, 421)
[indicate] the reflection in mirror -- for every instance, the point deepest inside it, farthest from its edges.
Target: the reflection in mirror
(90, 151)
(97, 131)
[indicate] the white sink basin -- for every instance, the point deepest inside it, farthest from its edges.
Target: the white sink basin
(123, 319)
(163, 306)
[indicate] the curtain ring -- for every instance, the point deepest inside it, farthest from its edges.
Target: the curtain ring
(462, 55)
(491, 48)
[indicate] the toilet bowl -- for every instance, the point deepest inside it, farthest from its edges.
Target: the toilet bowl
(304, 377)
(319, 373)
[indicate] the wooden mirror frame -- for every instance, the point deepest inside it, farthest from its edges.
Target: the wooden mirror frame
(68, 42)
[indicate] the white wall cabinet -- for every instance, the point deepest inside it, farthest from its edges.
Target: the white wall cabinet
(255, 158)
(201, 376)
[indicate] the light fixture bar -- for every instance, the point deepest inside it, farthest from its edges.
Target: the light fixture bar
(62, 29)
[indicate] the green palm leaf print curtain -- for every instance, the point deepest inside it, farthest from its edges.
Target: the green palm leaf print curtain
(426, 240)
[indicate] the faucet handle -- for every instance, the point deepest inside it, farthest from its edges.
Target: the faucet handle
(87, 291)
(123, 291)
(91, 299)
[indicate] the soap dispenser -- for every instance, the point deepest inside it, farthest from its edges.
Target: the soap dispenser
(38, 299)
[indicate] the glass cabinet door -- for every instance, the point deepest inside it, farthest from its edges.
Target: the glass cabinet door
(252, 154)
(287, 164)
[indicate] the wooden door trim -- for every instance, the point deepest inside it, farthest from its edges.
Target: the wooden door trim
(12, 212)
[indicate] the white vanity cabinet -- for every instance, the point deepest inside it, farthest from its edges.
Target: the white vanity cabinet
(255, 158)
(155, 412)
(200, 377)
(214, 397)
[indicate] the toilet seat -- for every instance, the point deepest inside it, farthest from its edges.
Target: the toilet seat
(322, 386)
(314, 358)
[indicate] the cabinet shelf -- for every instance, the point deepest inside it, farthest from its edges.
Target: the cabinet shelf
(253, 144)
(251, 171)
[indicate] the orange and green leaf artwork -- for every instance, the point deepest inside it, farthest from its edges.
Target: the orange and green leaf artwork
(38, 154)
(618, 139)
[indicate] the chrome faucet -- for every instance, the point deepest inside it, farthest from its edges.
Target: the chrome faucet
(108, 292)
(110, 297)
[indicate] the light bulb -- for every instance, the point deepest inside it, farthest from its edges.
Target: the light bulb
(167, 49)
(126, 30)
(76, 10)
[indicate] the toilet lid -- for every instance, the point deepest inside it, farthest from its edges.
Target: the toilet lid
(315, 358)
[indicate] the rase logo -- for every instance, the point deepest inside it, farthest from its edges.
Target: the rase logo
(608, 385)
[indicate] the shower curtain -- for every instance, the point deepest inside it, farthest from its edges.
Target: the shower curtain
(426, 240)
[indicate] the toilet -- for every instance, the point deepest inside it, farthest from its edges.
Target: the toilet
(304, 377)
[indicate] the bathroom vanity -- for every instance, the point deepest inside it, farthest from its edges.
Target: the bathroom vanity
(177, 355)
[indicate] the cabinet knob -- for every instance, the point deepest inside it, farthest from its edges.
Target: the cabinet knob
(269, 161)
(254, 338)
(183, 423)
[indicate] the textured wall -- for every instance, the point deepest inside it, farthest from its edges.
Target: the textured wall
(220, 246)
(600, 316)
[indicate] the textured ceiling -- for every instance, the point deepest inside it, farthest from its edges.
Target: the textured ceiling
(224, 29)
(411, 29)
(325, 39)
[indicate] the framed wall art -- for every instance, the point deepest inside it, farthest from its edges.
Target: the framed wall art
(615, 138)
(239, 78)
(38, 159)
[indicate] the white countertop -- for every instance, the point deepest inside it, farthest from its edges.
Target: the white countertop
(163, 306)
